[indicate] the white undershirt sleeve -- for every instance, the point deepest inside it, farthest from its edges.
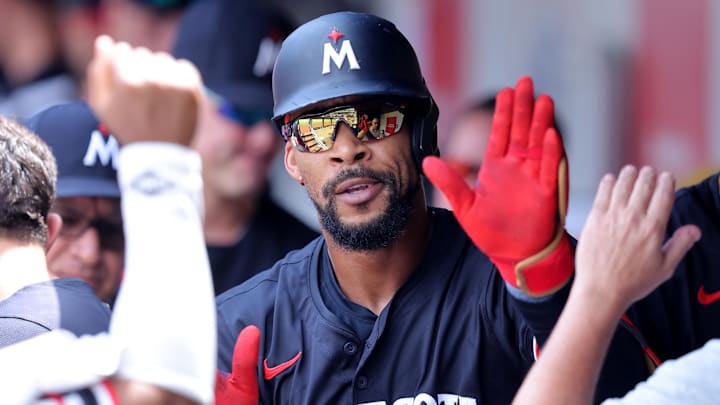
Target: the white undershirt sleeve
(163, 327)
(165, 311)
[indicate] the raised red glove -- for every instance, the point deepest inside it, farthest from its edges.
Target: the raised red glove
(240, 387)
(516, 212)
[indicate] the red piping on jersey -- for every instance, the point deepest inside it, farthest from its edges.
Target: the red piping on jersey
(641, 339)
(57, 398)
(111, 390)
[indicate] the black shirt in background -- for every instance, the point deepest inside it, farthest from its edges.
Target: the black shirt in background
(272, 233)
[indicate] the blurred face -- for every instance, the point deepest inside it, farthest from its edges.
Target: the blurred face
(364, 192)
(236, 158)
(90, 244)
(78, 28)
(139, 25)
(465, 149)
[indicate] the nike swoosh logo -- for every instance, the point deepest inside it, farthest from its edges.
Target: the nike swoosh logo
(271, 372)
(707, 299)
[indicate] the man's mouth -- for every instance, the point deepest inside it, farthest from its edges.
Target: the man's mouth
(358, 191)
(355, 185)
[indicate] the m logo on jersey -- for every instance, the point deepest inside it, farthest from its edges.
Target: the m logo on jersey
(102, 146)
(338, 57)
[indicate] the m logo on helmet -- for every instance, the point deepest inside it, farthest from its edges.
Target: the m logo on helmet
(338, 57)
(101, 146)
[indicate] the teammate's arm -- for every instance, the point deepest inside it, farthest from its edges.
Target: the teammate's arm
(167, 318)
(620, 258)
(161, 344)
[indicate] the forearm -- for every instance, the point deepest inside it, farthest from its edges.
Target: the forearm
(575, 352)
(165, 312)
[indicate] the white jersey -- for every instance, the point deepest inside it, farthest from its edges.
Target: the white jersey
(690, 379)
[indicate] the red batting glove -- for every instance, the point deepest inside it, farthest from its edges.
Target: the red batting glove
(516, 212)
(240, 387)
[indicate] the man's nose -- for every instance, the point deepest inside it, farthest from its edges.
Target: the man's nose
(347, 147)
(87, 245)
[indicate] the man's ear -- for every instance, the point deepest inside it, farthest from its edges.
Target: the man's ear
(54, 224)
(291, 163)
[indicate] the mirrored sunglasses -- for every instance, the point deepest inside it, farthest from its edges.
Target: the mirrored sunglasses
(316, 132)
(110, 231)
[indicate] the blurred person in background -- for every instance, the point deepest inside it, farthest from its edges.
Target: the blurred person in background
(682, 314)
(90, 243)
(161, 343)
(234, 45)
(78, 23)
(32, 73)
(463, 147)
(145, 23)
(31, 303)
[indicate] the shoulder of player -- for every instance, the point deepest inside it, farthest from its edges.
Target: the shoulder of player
(52, 293)
(699, 205)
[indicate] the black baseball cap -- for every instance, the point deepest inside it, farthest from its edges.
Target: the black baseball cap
(233, 43)
(85, 151)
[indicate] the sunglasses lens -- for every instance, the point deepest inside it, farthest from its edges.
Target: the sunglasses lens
(111, 236)
(380, 125)
(316, 132)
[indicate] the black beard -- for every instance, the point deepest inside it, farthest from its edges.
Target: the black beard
(380, 232)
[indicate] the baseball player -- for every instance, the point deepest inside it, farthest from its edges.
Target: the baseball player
(233, 44)
(161, 345)
(90, 243)
(621, 257)
(398, 303)
(31, 303)
(680, 315)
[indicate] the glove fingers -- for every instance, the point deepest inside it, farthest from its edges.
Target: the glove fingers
(542, 120)
(449, 182)
(245, 354)
(502, 118)
(550, 161)
(521, 116)
(245, 360)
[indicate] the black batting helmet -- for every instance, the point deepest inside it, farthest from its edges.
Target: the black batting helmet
(353, 54)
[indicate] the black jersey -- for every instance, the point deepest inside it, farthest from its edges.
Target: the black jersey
(66, 303)
(452, 334)
(272, 233)
(683, 313)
